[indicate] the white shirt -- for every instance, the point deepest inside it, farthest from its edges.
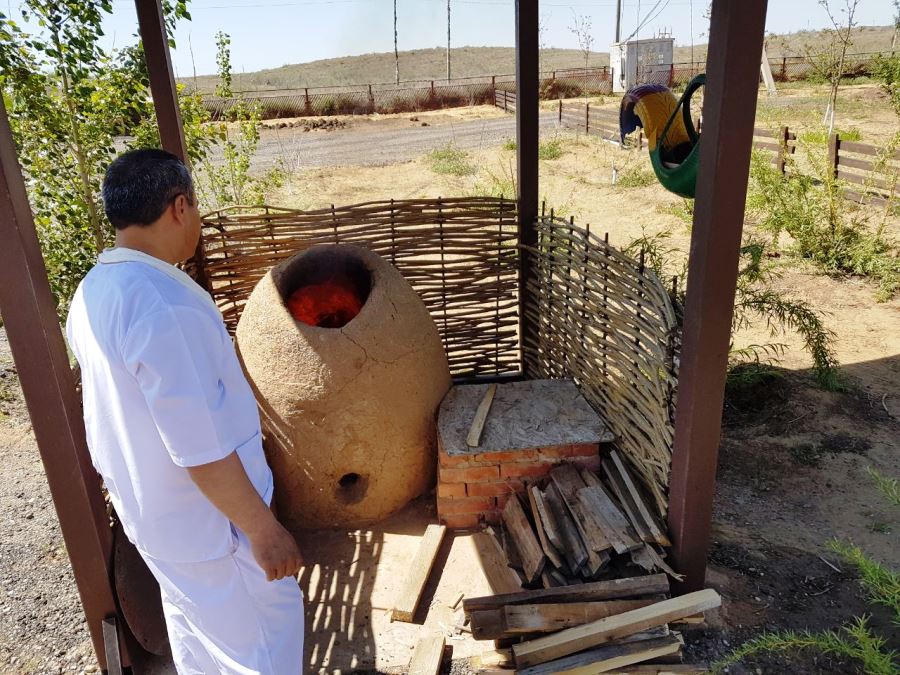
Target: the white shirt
(163, 390)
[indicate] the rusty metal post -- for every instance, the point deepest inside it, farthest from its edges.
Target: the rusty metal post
(32, 325)
(165, 101)
(527, 130)
(729, 109)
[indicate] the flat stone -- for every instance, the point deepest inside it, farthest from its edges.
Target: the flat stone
(524, 415)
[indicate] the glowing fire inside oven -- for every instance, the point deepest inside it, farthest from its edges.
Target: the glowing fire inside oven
(329, 304)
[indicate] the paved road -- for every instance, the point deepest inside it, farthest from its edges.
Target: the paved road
(357, 146)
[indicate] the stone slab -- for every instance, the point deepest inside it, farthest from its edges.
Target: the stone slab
(524, 415)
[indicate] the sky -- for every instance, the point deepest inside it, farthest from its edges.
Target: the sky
(271, 33)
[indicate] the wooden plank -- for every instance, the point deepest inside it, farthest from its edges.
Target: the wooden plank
(765, 133)
(427, 657)
(487, 624)
(493, 562)
(493, 658)
(568, 482)
(408, 599)
(615, 526)
(626, 501)
(864, 149)
(474, 437)
(577, 639)
(660, 669)
(573, 548)
(868, 181)
(774, 147)
(533, 558)
(863, 164)
(551, 617)
(615, 589)
(656, 529)
(538, 512)
(608, 657)
(661, 564)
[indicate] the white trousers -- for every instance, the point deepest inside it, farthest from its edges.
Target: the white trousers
(223, 617)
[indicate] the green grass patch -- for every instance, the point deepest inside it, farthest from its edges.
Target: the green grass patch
(636, 176)
(551, 149)
(510, 144)
(450, 161)
(820, 135)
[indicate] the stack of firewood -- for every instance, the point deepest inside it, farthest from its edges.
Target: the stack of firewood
(575, 525)
(600, 626)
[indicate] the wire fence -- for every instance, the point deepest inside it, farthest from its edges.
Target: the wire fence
(422, 95)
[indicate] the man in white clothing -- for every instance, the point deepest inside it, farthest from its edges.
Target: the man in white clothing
(174, 431)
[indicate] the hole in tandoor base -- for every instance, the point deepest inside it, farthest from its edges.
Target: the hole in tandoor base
(326, 288)
(352, 488)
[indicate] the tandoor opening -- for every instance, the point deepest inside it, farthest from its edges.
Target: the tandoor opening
(326, 288)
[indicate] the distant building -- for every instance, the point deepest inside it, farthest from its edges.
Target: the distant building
(640, 61)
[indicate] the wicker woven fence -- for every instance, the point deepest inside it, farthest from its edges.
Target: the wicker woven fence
(607, 321)
(459, 254)
(599, 317)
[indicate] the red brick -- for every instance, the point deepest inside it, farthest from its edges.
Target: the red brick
(446, 460)
(508, 456)
(577, 450)
(523, 469)
(474, 474)
(494, 489)
(461, 521)
(589, 463)
(501, 502)
(451, 490)
(464, 505)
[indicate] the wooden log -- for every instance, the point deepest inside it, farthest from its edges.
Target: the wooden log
(551, 617)
(609, 519)
(573, 548)
(519, 529)
(616, 589)
(568, 482)
(474, 437)
(606, 658)
(405, 605)
(548, 522)
(537, 506)
(494, 564)
(577, 639)
(427, 657)
(626, 501)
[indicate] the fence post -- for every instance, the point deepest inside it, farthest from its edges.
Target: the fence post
(554, 75)
(560, 111)
(505, 101)
(371, 100)
(306, 100)
(784, 69)
(834, 150)
(587, 117)
(432, 87)
(494, 87)
(671, 74)
(783, 150)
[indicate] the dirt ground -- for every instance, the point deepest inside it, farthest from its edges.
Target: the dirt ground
(792, 465)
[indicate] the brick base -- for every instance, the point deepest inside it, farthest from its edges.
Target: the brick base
(472, 489)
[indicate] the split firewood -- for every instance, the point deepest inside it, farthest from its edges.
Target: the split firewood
(519, 529)
(609, 519)
(550, 550)
(573, 548)
(474, 437)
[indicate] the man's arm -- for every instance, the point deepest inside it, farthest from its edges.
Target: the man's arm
(226, 485)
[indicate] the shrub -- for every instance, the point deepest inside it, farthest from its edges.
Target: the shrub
(451, 161)
(636, 176)
(886, 69)
(551, 149)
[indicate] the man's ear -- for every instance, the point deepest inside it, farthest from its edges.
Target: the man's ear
(180, 208)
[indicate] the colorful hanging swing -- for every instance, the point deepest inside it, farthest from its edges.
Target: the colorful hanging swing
(674, 151)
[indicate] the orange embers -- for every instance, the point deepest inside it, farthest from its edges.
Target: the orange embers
(329, 304)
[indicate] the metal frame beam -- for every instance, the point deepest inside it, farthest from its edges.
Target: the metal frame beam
(152, 27)
(729, 109)
(527, 138)
(32, 325)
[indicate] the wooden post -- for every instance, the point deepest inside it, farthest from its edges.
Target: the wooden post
(783, 150)
(587, 117)
(671, 74)
(784, 69)
(560, 111)
(306, 104)
(527, 129)
(494, 87)
(54, 406)
(729, 109)
(371, 100)
(834, 154)
(165, 101)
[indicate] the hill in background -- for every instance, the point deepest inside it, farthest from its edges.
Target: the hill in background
(428, 64)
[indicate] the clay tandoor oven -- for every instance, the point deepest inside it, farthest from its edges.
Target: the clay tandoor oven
(349, 370)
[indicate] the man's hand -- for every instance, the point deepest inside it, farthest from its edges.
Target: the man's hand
(226, 485)
(275, 550)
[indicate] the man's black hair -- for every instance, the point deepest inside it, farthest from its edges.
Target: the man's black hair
(141, 184)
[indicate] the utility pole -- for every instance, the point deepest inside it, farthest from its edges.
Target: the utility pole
(396, 53)
(618, 20)
(448, 40)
